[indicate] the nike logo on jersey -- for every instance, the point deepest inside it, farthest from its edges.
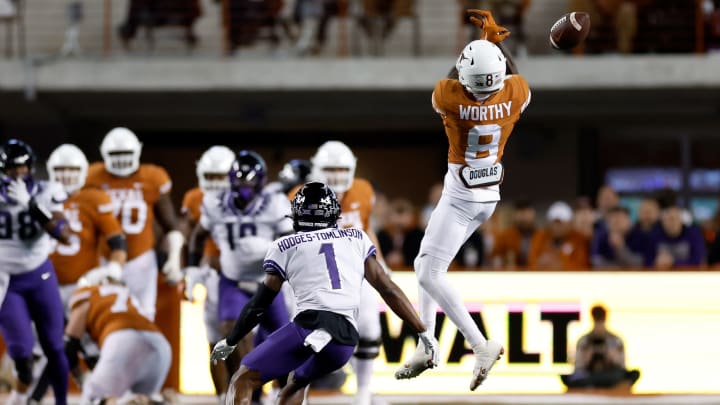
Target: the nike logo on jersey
(45, 276)
(355, 205)
(485, 112)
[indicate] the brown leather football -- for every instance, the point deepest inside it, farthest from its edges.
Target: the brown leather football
(570, 30)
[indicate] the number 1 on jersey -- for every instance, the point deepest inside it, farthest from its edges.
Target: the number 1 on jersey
(328, 250)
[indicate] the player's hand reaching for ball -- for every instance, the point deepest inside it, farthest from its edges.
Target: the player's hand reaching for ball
(490, 30)
(431, 347)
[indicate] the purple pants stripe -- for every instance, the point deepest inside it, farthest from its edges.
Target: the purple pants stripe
(34, 297)
(232, 300)
(285, 351)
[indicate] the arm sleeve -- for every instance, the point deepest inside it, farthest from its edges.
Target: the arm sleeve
(437, 97)
(368, 247)
(78, 297)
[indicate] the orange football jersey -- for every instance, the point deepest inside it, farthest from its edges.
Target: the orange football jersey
(90, 216)
(191, 205)
(477, 130)
(134, 199)
(356, 204)
(111, 309)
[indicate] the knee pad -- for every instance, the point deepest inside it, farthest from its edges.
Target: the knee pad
(24, 369)
(367, 349)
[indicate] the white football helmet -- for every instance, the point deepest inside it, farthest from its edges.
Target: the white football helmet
(121, 152)
(334, 164)
(213, 164)
(68, 166)
(481, 67)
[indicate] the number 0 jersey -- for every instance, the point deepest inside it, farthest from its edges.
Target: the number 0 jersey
(325, 268)
(24, 244)
(477, 130)
(134, 199)
(244, 236)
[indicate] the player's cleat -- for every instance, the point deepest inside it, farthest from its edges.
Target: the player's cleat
(419, 362)
(485, 358)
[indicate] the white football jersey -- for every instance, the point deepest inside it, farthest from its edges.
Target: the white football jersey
(325, 268)
(24, 244)
(243, 236)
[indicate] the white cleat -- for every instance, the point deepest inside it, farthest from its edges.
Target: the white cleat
(419, 362)
(485, 358)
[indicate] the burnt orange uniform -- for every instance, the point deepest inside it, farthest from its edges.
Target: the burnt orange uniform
(191, 204)
(356, 204)
(477, 131)
(111, 309)
(90, 216)
(134, 199)
(571, 253)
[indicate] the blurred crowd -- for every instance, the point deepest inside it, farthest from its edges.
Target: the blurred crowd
(618, 26)
(578, 235)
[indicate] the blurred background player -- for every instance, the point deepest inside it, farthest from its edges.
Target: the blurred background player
(141, 194)
(134, 355)
(327, 286)
(294, 173)
(334, 164)
(31, 213)
(212, 173)
(90, 216)
(479, 106)
(243, 221)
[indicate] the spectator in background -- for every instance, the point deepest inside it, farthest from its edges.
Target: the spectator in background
(512, 245)
(433, 198)
(559, 246)
(400, 239)
(674, 245)
(607, 198)
(618, 245)
(156, 13)
(614, 25)
(666, 26)
(648, 217)
(584, 218)
(313, 17)
(600, 358)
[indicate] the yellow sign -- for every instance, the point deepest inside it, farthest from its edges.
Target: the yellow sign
(670, 323)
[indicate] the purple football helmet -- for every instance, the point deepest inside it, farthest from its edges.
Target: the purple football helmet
(248, 176)
(15, 153)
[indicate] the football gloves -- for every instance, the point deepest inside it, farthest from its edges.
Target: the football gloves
(490, 30)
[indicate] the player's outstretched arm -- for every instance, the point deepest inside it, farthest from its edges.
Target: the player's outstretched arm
(196, 244)
(249, 316)
(400, 305)
(74, 332)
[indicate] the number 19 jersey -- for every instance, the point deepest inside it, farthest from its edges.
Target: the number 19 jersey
(325, 268)
(477, 130)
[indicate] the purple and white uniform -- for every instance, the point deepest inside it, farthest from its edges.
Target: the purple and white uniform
(30, 292)
(326, 270)
(243, 237)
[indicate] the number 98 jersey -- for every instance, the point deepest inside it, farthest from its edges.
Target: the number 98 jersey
(24, 244)
(325, 268)
(477, 130)
(243, 236)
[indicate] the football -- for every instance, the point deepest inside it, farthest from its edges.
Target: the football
(570, 30)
